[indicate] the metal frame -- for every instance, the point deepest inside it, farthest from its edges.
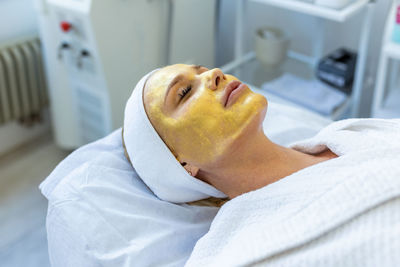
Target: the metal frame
(390, 53)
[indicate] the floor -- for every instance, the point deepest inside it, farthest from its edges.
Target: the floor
(22, 207)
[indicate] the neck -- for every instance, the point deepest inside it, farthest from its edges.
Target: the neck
(256, 164)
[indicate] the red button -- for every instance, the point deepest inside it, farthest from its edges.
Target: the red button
(65, 26)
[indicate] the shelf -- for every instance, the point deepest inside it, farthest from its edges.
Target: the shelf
(251, 71)
(339, 15)
(392, 50)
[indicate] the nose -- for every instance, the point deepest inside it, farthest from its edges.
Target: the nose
(216, 77)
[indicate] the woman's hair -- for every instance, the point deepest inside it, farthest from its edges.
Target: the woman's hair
(208, 202)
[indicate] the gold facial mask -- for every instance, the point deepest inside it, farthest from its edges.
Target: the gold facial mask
(200, 128)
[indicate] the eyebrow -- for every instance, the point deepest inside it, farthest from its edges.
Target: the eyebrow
(177, 79)
(197, 67)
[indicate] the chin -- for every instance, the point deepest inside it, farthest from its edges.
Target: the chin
(259, 116)
(262, 100)
(266, 105)
(263, 113)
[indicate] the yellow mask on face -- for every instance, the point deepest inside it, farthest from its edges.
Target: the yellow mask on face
(198, 127)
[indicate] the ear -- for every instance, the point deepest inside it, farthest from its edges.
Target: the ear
(192, 170)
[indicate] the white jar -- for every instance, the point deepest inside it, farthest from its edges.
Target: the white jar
(271, 46)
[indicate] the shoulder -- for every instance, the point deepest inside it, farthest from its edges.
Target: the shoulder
(350, 135)
(364, 125)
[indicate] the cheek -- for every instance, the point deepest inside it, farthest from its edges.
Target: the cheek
(205, 129)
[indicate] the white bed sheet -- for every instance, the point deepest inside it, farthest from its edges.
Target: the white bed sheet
(101, 214)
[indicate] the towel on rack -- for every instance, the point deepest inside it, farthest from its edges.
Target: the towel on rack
(311, 94)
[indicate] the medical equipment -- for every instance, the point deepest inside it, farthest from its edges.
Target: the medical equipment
(337, 69)
(99, 49)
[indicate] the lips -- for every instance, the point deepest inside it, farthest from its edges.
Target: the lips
(229, 89)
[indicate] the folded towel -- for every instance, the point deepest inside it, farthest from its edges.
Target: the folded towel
(341, 212)
(312, 94)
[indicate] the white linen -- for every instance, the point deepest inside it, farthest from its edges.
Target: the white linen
(153, 160)
(341, 212)
(101, 214)
(285, 124)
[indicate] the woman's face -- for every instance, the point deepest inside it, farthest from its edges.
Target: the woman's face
(186, 105)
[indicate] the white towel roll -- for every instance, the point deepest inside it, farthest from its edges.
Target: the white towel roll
(153, 160)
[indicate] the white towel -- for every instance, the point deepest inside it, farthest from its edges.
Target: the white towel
(313, 94)
(152, 159)
(341, 212)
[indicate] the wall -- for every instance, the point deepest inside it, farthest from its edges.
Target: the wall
(301, 29)
(17, 18)
(193, 36)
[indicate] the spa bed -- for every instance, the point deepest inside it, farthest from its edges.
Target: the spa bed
(100, 213)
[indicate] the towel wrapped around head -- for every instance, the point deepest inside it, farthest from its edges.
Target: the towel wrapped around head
(152, 159)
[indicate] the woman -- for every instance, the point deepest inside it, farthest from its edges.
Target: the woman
(212, 123)
(192, 133)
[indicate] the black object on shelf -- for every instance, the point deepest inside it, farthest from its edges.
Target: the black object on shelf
(337, 69)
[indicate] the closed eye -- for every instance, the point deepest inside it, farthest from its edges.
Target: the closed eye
(184, 92)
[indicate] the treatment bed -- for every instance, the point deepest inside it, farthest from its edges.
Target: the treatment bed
(100, 213)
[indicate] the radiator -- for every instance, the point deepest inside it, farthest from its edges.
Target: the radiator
(23, 91)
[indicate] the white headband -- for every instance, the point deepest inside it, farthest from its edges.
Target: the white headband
(152, 159)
